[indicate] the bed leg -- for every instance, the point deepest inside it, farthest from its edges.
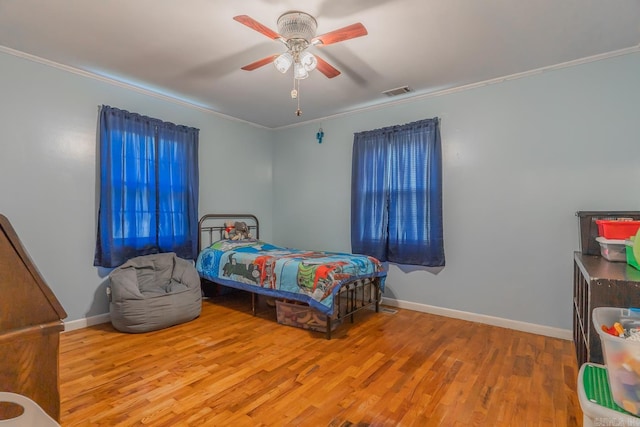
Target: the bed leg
(328, 333)
(253, 303)
(378, 295)
(351, 302)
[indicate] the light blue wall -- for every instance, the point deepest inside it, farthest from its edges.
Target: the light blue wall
(48, 123)
(520, 158)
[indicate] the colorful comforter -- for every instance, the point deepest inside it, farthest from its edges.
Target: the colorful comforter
(307, 276)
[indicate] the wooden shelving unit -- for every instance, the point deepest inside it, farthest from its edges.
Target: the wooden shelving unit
(599, 283)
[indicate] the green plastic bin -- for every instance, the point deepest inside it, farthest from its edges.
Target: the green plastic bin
(631, 258)
(596, 400)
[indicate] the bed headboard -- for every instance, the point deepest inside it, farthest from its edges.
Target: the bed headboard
(211, 226)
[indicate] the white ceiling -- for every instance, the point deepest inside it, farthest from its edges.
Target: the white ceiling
(193, 50)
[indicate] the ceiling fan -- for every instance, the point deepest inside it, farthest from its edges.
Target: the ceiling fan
(297, 31)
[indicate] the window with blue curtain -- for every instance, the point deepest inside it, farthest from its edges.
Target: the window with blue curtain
(148, 188)
(396, 194)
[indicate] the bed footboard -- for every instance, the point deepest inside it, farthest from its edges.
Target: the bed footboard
(353, 297)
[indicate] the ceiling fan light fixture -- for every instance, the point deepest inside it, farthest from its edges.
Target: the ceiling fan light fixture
(283, 62)
(297, 31)
(299, 71)
(308, 61)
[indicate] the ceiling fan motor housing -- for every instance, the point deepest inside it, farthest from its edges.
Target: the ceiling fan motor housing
(297, 25)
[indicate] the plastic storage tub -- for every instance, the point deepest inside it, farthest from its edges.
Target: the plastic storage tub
(303, 316)
(612, 249)
(621, 356)
(617, 229)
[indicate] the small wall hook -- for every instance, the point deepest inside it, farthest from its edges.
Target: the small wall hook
(319, 136)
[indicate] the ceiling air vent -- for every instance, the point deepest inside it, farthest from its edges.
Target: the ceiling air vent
(397, 91)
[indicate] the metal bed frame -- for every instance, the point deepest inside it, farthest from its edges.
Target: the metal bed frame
(351, 298)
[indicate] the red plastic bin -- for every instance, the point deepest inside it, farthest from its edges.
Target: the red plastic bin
(617, 229)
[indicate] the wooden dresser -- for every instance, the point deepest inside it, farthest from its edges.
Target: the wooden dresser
(599, 283)
(30, 326)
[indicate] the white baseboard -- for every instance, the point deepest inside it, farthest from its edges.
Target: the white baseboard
(86, 321)
(533, 328)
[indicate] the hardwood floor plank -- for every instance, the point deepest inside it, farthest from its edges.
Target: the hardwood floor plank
(229, 367)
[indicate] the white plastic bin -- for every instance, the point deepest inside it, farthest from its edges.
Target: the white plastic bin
(612, 250)
(32, 416)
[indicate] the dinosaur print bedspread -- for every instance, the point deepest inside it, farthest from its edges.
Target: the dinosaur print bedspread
(308, 276)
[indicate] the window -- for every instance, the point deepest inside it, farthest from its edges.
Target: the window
(148, 188)
(396, 194)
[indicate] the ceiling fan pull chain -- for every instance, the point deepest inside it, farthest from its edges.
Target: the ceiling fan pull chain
(298, 111)
(294, 91)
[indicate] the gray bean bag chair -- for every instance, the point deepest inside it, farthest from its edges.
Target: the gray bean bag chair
(153, 292)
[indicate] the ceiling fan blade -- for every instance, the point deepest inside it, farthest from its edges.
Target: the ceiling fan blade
(255, 25)
(259, 63)
(327, 69)
(349, 32)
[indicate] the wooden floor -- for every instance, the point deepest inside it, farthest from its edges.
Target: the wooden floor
(230, 368)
